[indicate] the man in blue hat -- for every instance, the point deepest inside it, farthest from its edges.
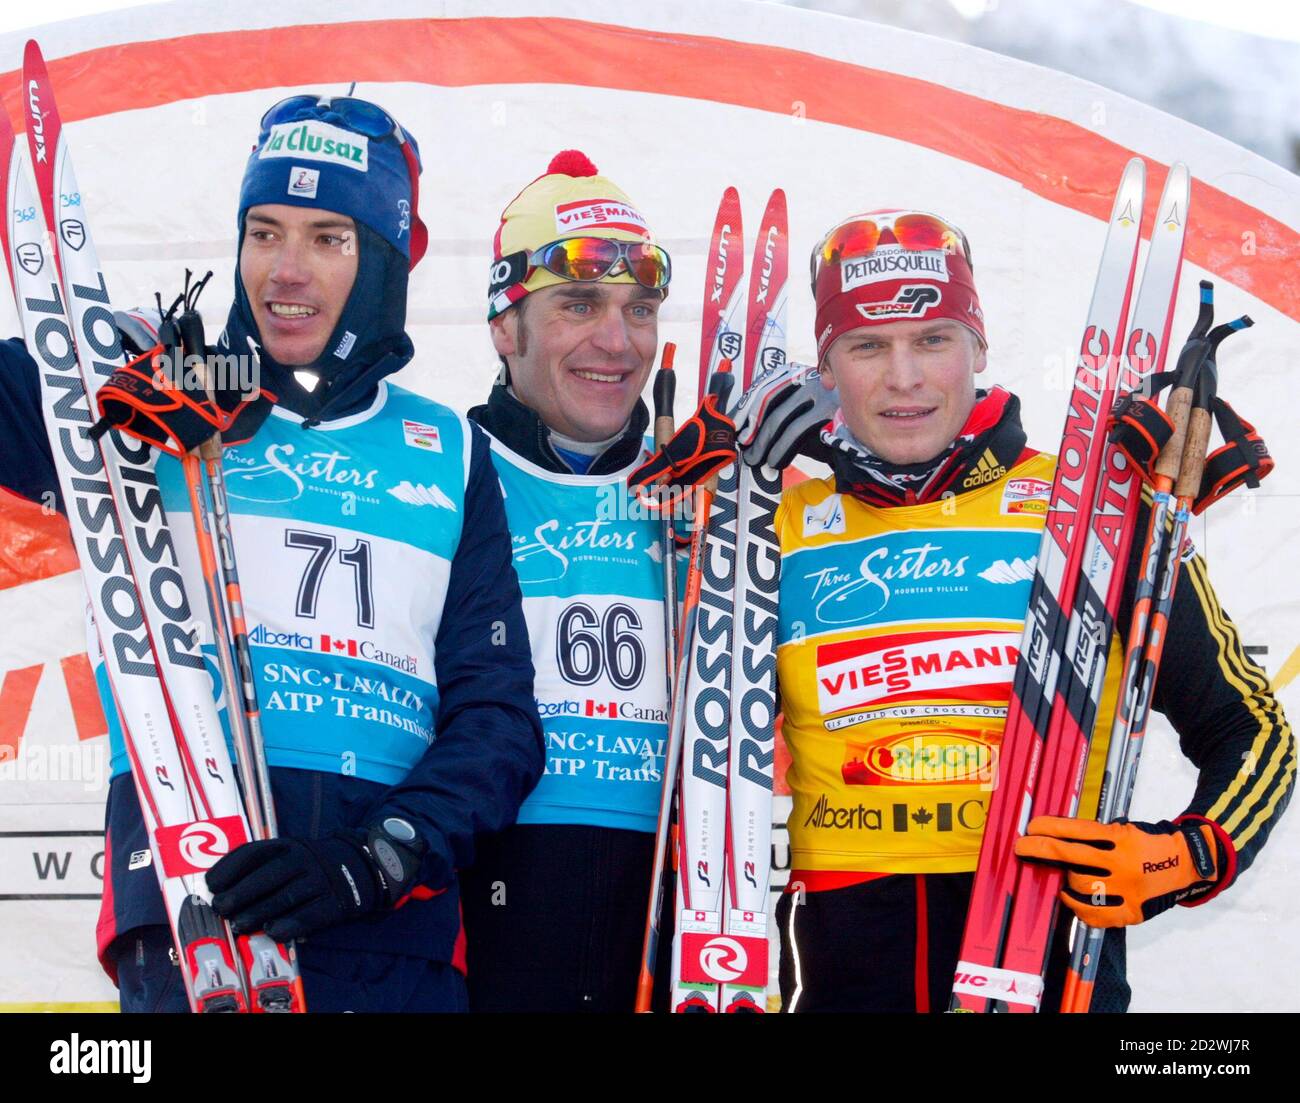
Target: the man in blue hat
(389, 647)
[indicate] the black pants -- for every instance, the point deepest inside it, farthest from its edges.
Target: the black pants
(554, 920)
(892, 945)
(332, 979)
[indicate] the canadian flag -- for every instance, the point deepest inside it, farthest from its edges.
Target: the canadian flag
(338, 647)
(602, 708)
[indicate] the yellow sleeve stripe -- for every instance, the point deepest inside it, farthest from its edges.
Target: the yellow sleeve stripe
(1266, 813)
(1273, 748)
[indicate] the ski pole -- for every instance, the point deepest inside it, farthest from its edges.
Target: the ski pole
(665, 388)
(1177, 472)
(272, 972)
(719, 386)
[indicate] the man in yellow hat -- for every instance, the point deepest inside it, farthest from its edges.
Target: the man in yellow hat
(555, 906)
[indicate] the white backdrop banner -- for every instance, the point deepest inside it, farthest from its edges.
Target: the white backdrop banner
(674, 101)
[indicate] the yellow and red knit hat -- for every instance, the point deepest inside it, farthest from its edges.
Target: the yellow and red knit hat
(571, 199)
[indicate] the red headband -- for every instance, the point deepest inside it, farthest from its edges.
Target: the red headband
(891, 284)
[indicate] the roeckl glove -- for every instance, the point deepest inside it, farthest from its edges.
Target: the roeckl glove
(1118, 874)
(292, 887)
(781, 416)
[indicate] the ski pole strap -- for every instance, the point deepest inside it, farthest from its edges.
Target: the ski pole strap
(703, 445)
(142, 400)
(1243, 459)
(176, 394)
(150, 400)
(1140, 429)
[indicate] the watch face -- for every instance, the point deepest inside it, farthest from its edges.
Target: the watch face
(398, 829)
(388, 858)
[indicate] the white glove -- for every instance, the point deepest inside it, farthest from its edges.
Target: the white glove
(781, 416)
(138, 329)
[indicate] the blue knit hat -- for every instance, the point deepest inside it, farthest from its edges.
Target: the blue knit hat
(340, 154)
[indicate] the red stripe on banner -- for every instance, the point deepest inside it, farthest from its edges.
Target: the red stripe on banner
(17, 692)
(34, 544)
(1061, 161)
(87, 711)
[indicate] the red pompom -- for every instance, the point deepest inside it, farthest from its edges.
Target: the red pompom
(571, 162)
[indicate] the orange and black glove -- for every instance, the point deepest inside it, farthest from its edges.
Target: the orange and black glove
(1118, 874)
(702, 446)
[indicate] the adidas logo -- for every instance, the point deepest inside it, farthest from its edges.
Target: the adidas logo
(988, 470)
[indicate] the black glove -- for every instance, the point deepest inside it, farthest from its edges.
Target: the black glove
(172, 393)
(293, 887)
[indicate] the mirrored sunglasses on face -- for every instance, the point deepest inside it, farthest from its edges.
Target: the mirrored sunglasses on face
(587, 259)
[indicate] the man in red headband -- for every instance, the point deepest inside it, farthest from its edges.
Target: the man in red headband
(904, 587)
(884, 298)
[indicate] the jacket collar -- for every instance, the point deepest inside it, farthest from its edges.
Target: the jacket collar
(520, 429)
(987, 447)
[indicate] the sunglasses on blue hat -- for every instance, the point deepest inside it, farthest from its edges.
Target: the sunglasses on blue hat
(360, 115)
(372, 121)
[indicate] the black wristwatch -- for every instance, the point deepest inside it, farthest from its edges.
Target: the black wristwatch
(396, 850)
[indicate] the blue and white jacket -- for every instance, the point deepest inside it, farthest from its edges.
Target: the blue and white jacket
(589, 564)
(391, 654)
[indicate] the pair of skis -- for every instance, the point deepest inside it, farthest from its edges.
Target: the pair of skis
(723, 713)
(1176, 483)
(1073, 604)
(148, 632)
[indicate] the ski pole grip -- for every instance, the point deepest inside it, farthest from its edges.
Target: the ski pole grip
(665, 390)
(210, 449)
(1193, 460)
(1179, 407)
(194, 347)
(720, 384)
